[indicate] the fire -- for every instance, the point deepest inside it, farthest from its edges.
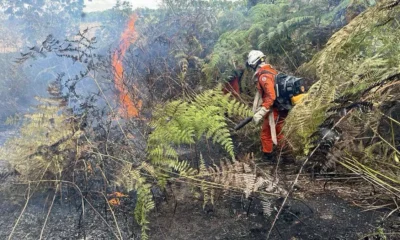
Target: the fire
(128, 107)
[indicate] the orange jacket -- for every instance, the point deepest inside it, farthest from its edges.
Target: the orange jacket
(266, 84)
(232, 87)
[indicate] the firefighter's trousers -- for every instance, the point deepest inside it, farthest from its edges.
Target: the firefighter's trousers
(266, 138)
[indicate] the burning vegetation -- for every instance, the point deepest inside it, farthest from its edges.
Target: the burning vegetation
(129, 105)
(134, 118)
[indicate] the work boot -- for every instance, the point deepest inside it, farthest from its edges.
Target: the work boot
(269, 158)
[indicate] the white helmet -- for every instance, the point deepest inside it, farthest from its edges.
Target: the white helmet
(254, 57)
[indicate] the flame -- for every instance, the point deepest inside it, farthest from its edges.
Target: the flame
(128, 107)
(114, 202)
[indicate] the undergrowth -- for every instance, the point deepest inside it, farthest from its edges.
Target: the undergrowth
(356, 95)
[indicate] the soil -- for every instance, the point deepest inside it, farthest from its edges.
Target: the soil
(321, 216)
(179, 215)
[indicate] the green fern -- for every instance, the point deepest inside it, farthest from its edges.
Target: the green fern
(178, 122)
(286, 28)
(282, 30)
(133, 179)
(360, 64)
(181, 122)
(341, 78)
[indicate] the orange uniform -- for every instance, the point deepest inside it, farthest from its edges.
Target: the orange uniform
(266, 87)
(232, 87)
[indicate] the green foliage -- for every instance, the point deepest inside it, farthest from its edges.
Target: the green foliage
(134, 179)
(228, 55)
(179, 39)
(177, 123)
(186, 122)
(287, 32)
(48, 140)
(356, 58)
(358, 68)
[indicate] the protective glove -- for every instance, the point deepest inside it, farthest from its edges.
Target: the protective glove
(260, 114)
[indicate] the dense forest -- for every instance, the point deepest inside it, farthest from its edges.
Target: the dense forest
(122, 123)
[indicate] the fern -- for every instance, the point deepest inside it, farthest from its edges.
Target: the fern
(204, 116)
(286, 28)
(358, 65)
(48, 139)
(180, 122)
(332, 66)
(282, 30)
(236, 175)
(267, 205)
(133, 179)
(227, 56)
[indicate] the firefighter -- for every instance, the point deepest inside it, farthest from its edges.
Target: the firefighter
(263, 106)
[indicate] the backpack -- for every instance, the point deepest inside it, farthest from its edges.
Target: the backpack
(289, 91)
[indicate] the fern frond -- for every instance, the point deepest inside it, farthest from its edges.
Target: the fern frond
(184, 123)
(47, 141)
(143, 206)
(267, 205)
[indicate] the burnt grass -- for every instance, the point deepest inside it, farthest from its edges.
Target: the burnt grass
(69, 219)
(322, 214)
(319, 216)
(179, 215)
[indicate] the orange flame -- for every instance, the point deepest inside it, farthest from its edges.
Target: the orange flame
(129, 107)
